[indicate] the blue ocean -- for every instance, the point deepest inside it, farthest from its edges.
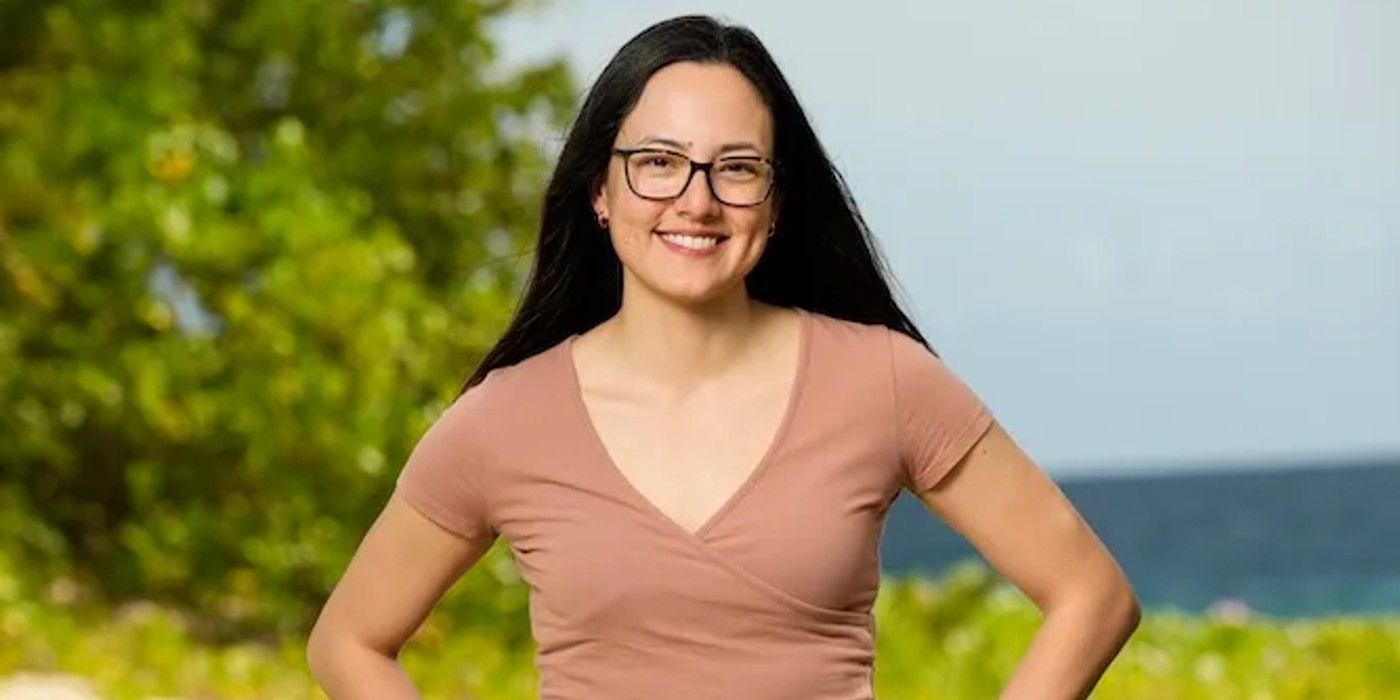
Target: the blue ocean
(1289, 541)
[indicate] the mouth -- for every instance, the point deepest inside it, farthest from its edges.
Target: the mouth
(694, 243)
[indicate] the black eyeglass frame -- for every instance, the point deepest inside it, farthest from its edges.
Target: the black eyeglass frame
(695, 165)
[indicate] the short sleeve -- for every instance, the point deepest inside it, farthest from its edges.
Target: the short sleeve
(938, 417)
(442, 476)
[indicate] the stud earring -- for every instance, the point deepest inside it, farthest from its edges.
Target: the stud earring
(602, 221)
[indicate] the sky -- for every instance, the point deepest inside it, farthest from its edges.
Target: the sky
(1150, 236)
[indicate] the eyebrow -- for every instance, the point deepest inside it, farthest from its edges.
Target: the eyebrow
(725, 148)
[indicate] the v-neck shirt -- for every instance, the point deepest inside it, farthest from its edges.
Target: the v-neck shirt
(771, 596)
(755, 472)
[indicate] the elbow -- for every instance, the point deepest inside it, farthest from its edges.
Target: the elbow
(1132, 613)
(1111, 603)
(1121, 605)
(1127, 598)
(318, 653)
(326, 648)
(1115, 613)
(331, 650)
(1118, 601)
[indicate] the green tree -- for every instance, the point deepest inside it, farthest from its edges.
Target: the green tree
(248, 250)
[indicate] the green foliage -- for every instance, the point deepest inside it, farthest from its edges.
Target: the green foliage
(962, 637)
(248, 249)
(957, 637)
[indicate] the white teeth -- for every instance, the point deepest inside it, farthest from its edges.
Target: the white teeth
(694, 242)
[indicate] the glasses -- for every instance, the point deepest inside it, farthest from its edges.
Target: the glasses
(658, 174)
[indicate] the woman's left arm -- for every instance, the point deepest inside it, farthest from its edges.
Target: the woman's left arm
(1007, 508)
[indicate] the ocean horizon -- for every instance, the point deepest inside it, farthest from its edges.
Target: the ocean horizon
(1294, 540)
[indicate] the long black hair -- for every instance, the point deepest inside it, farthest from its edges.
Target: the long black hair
(820, 258)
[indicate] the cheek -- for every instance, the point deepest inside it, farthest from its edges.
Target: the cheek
(628, 247)
(635, 220)
(753, 225)
(631, 231)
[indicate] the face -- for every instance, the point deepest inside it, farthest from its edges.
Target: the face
(705, 112)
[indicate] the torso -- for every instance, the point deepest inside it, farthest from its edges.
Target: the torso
(765, 585)
(690, 458)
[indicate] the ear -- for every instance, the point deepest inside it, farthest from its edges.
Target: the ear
(595, 193)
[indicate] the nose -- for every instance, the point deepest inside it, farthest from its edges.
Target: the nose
(696, 198)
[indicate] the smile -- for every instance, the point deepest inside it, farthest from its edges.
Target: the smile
(692, 245)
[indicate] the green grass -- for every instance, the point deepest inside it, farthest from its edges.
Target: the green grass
(956, 637)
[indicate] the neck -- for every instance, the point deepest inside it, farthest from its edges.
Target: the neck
(682, 346)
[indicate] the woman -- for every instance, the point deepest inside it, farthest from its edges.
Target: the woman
(694, 427)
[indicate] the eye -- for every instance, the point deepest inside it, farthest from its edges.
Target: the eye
(657, 161)
(741, 168)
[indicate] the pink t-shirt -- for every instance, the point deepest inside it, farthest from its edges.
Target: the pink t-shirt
(771, 597)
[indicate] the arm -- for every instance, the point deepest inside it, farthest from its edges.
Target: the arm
(1020, 521)
(400, 570)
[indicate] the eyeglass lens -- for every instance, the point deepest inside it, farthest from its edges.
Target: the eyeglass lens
(663, 175)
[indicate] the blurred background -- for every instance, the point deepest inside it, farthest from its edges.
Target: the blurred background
(250, 248)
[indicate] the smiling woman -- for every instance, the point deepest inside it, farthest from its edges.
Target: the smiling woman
(693, 118)
(695, 425)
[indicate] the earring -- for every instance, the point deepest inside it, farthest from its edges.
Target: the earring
(602, 221)
(772, 229)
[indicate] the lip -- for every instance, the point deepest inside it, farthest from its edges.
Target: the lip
(691, 252)
(708, 234)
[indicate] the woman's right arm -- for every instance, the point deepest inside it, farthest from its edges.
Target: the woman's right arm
(403, 566)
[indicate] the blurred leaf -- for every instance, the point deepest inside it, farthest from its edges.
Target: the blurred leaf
(238, 279)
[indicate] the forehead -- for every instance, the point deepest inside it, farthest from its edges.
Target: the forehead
(704, 104)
